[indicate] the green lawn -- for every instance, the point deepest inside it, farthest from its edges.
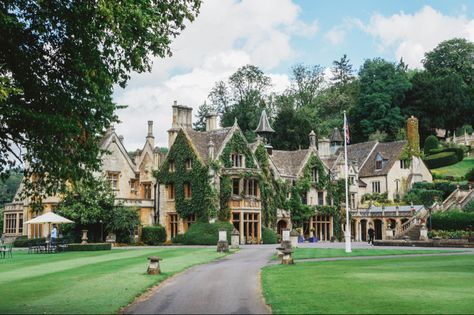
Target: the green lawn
(458, 169)
(86, 282)
(309, 253)
(441, 285)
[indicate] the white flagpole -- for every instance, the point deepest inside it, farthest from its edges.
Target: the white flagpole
(346, 171)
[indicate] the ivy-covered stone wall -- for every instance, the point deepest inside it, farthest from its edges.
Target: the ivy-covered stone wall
(203, 197)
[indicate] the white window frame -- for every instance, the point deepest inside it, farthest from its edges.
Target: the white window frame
(376, 186)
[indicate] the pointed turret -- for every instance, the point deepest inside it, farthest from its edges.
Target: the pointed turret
(264, 130)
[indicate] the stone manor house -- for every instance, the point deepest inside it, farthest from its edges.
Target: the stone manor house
(168, 187)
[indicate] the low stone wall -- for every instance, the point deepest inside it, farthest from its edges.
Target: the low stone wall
(428, 243)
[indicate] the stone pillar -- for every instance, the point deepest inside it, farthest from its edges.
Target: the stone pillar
(423, 233)
(241, 226)
(356, 230)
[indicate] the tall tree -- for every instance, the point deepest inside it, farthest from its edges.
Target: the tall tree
(342, 72)
(203, 111)
(452, 56)
(307, 82)
(243, 97)
(382, 89)
(59, 61)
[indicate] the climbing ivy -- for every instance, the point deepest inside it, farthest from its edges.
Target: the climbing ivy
(225, 194)
(203, 198)
(237, 144)
(272, 192)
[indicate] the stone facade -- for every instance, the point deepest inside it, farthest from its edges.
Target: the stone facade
(130, 175)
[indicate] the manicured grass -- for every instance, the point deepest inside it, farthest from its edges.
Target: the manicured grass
(309, 253)
(441, 285)
(87, 282)
(458, 169)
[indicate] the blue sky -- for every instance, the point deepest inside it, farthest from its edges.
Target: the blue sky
(275, 35)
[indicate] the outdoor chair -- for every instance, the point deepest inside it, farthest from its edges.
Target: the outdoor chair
(7, 250)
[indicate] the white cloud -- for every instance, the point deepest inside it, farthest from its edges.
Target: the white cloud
(412, 35)
(226, 35)
(336, 35)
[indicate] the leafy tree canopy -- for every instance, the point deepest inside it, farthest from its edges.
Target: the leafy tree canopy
(59, 61)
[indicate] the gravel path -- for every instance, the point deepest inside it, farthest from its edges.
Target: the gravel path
(226, 286)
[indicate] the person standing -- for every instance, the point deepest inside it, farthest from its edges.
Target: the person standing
(54, 235)
(371, 235)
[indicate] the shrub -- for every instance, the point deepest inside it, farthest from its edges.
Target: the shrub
(431, 142)
(458, 234)
(469, 207)
(153, 235)
(441, 159)
(424, 197)
(206, 233)
(269, 236)
(452, 220)
(470, 175)
(89, 247)
(23, 241)
(178, 239)
(382, 198)
(446, 187)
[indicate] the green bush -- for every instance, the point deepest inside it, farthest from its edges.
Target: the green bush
(424, 197)
(470, 175)
(206, 233)
(269, 236)
(431, 142)
(89, 247)
(441, 159)
(459, 234)
(469, 207)
(382, 198)
(458, 151)
(178, 239)
(446, 187)
(153, 235)
(23, 241)
(452, 220)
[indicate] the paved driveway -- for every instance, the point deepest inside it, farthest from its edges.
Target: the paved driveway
(226, 286)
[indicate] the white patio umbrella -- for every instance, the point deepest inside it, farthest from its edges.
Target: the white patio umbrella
(49, 217)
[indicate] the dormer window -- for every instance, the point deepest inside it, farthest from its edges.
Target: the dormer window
(172, 167)
(237, 160)
(189, 164)
(315, 175)
(378, 162)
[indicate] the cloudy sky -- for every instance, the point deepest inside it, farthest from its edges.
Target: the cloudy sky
(275, 35)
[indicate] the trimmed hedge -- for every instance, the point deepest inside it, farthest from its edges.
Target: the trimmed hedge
(470, 175)
(458, 151)
(269, 236)
(178, 239)
(431, 143)
(424, 197)
(153, 235)
(441, 159)
(206, 233)
(452, 220)
(89, 247)
(446, 187)
(24, 241)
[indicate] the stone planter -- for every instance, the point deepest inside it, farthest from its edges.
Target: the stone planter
(84, 237)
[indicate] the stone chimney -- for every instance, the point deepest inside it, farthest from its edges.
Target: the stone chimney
(182, 118)
(211, 121)
(149, 137)
(312, 139)
(323, 148)
(413, 135)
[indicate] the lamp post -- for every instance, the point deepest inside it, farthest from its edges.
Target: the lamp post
(101, 231)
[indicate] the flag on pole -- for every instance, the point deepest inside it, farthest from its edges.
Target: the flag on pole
(346, 130)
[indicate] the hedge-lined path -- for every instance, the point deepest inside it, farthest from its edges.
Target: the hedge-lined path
(229, 285)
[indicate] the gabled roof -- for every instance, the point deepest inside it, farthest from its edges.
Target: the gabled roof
(111, 137)
(389, 151)
(200, 140)
(358, 152)
(288, 162)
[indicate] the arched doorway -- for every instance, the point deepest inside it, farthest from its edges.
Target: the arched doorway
(391, 223)
(363, 230)
(281, 225)
(378, 229)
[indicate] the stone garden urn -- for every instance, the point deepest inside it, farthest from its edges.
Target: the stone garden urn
(84, 237)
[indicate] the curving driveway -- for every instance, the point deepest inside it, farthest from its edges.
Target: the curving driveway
(226, 286)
